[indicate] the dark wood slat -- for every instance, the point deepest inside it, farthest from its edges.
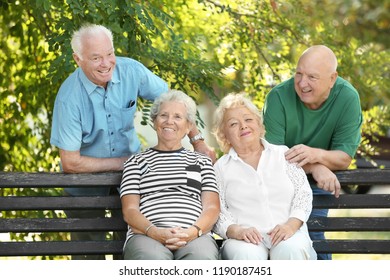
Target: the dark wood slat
(49, 179)
(59, 202)
(345, 246)
(350, 201)
(369, 176)
(115, 247)
(57, 248)
(349, 224)
(62, 225)
(352, 246)
(345, 201)
(364, 176)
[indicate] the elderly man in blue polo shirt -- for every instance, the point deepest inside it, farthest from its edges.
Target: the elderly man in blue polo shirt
(93, 118)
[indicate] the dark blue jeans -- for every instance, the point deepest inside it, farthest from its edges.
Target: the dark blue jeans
(319, 235)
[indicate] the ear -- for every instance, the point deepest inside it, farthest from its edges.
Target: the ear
(154, 125)
(76, 58)
(333, 78)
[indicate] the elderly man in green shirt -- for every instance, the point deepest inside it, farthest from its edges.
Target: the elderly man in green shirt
(318, 116)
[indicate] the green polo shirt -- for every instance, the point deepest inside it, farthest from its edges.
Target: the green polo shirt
(336, 125)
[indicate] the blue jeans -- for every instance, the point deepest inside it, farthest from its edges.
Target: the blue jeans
(319, 235)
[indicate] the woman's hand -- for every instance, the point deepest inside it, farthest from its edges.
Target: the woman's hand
(284, 231)
(280, 233)
(250, 235)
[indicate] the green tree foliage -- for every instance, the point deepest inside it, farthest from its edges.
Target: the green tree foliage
(36, 58)
(258, 44)
(187, 42)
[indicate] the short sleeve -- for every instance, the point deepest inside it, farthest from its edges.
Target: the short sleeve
(274, 119)
(66, 127)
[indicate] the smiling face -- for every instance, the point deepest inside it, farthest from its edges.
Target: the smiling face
(315, 76)
(97, 58)
(241, 128)
(171, 125)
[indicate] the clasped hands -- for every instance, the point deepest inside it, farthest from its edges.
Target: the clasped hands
(172, 238)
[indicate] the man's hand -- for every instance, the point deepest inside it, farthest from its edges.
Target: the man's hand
(332, 159)
(201, 147)
(326, 179)
(302, 154)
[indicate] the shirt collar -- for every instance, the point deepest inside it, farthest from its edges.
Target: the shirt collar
(115, 77)
(90, 86)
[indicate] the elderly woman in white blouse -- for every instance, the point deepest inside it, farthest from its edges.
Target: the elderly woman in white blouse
(265, 200)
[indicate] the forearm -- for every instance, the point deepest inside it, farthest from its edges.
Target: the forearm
(333, 160)
(73, 162)
(294, 224)
(210, 211)
(136, 220)
(207, 219)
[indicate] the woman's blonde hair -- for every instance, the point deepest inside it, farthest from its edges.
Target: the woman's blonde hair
(230, 101)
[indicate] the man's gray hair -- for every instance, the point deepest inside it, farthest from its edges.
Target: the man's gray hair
(88, 30)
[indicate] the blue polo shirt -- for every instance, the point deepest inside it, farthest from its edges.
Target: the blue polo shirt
(100, 122)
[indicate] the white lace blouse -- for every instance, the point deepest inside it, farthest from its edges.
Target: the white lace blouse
(261, 198)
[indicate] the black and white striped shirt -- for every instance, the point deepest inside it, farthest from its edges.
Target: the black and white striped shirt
(169, 184)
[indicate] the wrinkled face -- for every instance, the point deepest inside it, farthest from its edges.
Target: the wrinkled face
(97, 59)
(171, 124)
(241, 127)
(313, 81)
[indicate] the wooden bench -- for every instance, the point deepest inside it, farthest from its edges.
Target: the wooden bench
(15, 181)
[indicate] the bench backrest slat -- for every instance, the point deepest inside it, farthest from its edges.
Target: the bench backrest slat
(58, 203)
(62, 225)
(57, 248)
(352, 201)
(369, 176)
(47, 179)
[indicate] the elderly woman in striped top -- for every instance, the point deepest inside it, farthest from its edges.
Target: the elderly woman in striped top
(169, 194)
